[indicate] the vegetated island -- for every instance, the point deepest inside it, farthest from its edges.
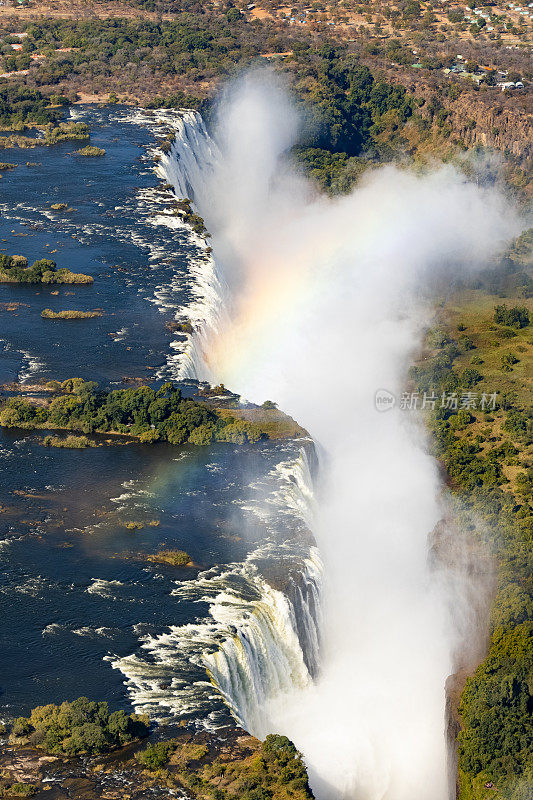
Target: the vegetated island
(145, 414)
(90, 151)
(15, 269)
(47, 313)
(68, 442)
(234, 766)
(174, 558)
(52, 134)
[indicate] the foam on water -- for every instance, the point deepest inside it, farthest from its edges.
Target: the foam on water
(256, 638)
(104, 588)
(258, 641)
(201, 306)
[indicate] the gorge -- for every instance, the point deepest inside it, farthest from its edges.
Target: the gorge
(318, 304)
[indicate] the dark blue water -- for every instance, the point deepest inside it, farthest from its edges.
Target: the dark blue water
(77, 593)
(109, 234)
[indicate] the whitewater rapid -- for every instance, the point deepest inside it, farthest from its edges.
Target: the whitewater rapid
(257, 640)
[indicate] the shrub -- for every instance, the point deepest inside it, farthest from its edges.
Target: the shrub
(21, 727)
(69, 442)
(515, 317)
(276, 744)
(466, 343)
(508, 360)
(470, 377)
(157, 755)
(21, 790)
(47, 313)
(437, 338)
(80, 726)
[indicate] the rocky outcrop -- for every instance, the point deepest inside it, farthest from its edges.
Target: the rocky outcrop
(485, 117)
(478, 122)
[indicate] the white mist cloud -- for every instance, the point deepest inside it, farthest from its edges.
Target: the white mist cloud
(326, 304)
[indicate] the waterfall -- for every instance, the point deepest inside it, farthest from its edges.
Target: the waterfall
(258, 641)
(261, 648)
(265, 658)
(186, 166)
(275, 646)
(328, 303)
(191, 156)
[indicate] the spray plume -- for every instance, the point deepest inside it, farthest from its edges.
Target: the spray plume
(326, 302)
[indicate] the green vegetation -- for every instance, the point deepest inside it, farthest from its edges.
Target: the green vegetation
(53, 134)
(66, 132)
(497, 736)
(47, 313)
(81, 726)
(353, 108)
(156, 755)
(15, 269)
(488, 455)
(90, 151)
(20, 107)
(276, 771)
(68, 442)
(144, 413)
(176, 558)
(19, 789)
(335, 173)
(273, 770)
(516, 317)
(179, 327)
(522, 249)
(178, 100)
(113, 53)
(356, 115)
(183, 210)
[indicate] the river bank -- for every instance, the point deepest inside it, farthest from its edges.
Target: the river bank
(193, 764)
(145, 414)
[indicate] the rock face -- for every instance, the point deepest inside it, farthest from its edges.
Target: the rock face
(505, 129)
(486, 117)
(470, 563)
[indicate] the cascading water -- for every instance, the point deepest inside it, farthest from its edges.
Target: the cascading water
(263, 659)
(191, 156)
(257, 640)
(277, 647)
(314, 288)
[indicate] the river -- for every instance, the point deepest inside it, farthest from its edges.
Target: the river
(83, 611)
